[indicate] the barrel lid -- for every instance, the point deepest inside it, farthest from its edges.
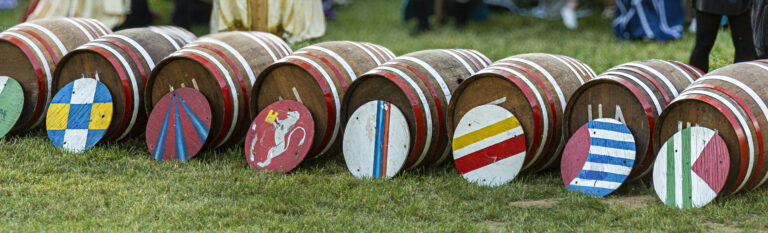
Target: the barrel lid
(489, 146)
(598, 158)
(376, 140)
(288, 81)
(179, 125)
(11, 103)
(79, 115)
(691, 168)
(280, 137)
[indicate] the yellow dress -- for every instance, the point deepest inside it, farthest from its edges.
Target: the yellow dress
(295, 20)
(110, 12)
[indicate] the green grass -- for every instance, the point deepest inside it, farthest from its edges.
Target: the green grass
(118, 187)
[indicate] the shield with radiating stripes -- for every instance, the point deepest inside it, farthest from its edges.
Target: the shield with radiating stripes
(489, 146)
(598, 157)
(691, 168)
(179, 125)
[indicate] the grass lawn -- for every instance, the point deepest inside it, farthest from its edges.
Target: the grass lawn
(119, 187)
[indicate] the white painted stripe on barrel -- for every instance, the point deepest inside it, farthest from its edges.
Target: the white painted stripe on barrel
(232, 89)
(755, 97)
(585, 73)
(261, 42)
(482, 56)
(546, 74)
(642, 85)
(744, 127)
(99, 27)
(435, 75)
(589, 70)
(272, 44)
(56, 40)
(542, 105)
(46, 69)
(478, 58)
(375, 50)
(137, 46)
(390, 54)
(570, 67)
(82, 29)
(378, 63)
(457, 57)
(168, 38)
(687, 76)
(135, 85)
(338, 59)
(238, 56)
(661, 76)
(425, 104)
(105, 30)
(279, 41)
(336, 98)
(183, 34)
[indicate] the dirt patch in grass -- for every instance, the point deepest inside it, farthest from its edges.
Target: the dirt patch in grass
(543, 203)
(492, 225)
(634, 202)
(719, 227)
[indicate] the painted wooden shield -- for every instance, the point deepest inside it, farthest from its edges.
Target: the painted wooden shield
(376, 140)
(691, 168)
(178, 125)
(598, 157)
(11, 103)
(489, 145)
(280, 137)
(79, 115)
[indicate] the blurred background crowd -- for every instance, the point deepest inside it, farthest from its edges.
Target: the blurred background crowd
(299, 20)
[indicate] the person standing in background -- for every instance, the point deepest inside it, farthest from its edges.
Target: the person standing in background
(759, 22)
(708, 14)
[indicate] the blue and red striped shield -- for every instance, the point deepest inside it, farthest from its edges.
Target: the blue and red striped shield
(598, 157)
(178, 125)
(376, 140)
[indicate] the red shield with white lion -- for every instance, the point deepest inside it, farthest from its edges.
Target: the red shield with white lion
(280, 137)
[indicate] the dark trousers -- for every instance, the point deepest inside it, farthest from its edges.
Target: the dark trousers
(140, 16)
(707, 26)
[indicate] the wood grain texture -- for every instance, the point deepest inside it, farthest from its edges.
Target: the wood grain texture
(280, 137)
(731, 101)
(123, 61)
(11, 103)
(489, 146)
(79, 115)
(179, 125)
(376, 141)
(691, 168)
(223, 67)
(420, 84)
(30, 52)
(535, 88)
(634, 93)
(318, 76)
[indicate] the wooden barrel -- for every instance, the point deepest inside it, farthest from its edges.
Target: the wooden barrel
(732, 101)
(123, 62)
(633, 93)
(535, 88)
(318, 76)
(420, 84)
(223, 67)
(30, 52)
